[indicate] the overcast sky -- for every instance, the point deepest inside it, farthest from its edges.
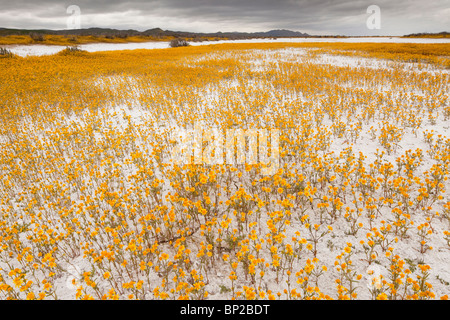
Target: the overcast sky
(318, 17)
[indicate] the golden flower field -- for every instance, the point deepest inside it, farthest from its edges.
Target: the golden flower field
(93, 206)
(75, 40)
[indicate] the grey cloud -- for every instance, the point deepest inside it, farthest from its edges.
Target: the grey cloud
(316, 17)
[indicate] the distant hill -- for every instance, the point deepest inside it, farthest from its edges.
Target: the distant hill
(283, 33)
(84, 32)
(155, 32)
(443, 34)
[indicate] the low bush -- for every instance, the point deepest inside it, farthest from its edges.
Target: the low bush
(5, 53)
(37, 37)
(175, 43)
(73, 50)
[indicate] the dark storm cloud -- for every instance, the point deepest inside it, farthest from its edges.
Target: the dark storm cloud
(316, 17)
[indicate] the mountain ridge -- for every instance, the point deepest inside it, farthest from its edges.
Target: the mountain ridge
(157, 32)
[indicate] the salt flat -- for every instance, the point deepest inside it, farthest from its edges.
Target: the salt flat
(38, 50)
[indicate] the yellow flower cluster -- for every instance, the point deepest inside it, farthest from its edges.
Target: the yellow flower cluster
(87, 178)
